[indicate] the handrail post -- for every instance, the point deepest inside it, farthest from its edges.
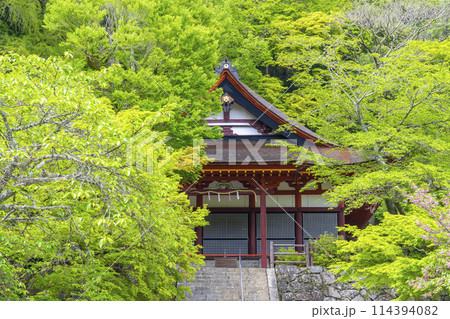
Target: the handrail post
(272, 257)
(240, 273)
(307, 252)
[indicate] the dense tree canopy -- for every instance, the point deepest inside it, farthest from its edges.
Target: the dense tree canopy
(373, 81)
(83, 80)
(77, 221)
(374, 78)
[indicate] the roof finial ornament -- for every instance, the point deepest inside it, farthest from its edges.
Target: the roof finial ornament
(227, 65)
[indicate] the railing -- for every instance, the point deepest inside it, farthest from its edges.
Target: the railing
(307, 252)
(240, 272)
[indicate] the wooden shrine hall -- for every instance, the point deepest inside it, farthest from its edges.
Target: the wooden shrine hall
(252, 188)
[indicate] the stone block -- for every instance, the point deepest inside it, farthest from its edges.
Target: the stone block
(317, 295)
(315, 269)
(358, 298)
(303, 296)
(328, 278)
(304, 278)
(315, 279)
(288, 296)
(341, 286)
(282, 285)
(333, 292)
(349, 294)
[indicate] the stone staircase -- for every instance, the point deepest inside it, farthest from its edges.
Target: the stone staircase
(224, 284)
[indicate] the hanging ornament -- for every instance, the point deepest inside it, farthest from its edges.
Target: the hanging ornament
(209, 196)
(237, 194)
(218, 196)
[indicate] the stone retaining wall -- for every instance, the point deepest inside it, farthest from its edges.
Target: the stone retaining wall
(317, 284)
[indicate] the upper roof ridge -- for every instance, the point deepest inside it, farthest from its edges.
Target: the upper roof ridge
(227, 65)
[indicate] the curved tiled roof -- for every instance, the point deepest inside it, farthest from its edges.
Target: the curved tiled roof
(270, 108)
(270, 153)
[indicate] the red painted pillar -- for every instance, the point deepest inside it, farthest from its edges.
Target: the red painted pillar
(263, 224)
(199, 229)
(341, 217)
(298, 229)
(298, 219)
(252, 226)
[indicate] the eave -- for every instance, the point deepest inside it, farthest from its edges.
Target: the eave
(269, 109)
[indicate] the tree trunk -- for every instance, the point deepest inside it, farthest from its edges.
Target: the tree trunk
(392, 207)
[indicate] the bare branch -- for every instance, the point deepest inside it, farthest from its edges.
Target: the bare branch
(14, 207)
(396, 23)
(43, 121)
(8, 133)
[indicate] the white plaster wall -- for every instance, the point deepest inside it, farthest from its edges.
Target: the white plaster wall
(239, 130)
(233, 183)
(284, 186)
(315, 201)
(277, 201)
(271, 200)
(193, 200)
(223, 123)
(226, 200)
(238, 112)
(243, 201)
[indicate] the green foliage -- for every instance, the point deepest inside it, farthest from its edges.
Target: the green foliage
(379, 89)
(11, 287)
(433, 282)
(156, 56)
(356, 72)
(395, 117)
(392, 108)
(386, 255)
(21, 28)
(22, 16)
(325, 250)
(80, 219)
(384, 96)
(290, 257)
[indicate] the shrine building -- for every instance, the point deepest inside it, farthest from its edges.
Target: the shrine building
(252, 188)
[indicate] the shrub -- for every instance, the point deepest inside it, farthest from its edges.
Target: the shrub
(290, 257)
(325, 250)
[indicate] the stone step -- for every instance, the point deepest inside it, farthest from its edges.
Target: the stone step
(225, 284)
